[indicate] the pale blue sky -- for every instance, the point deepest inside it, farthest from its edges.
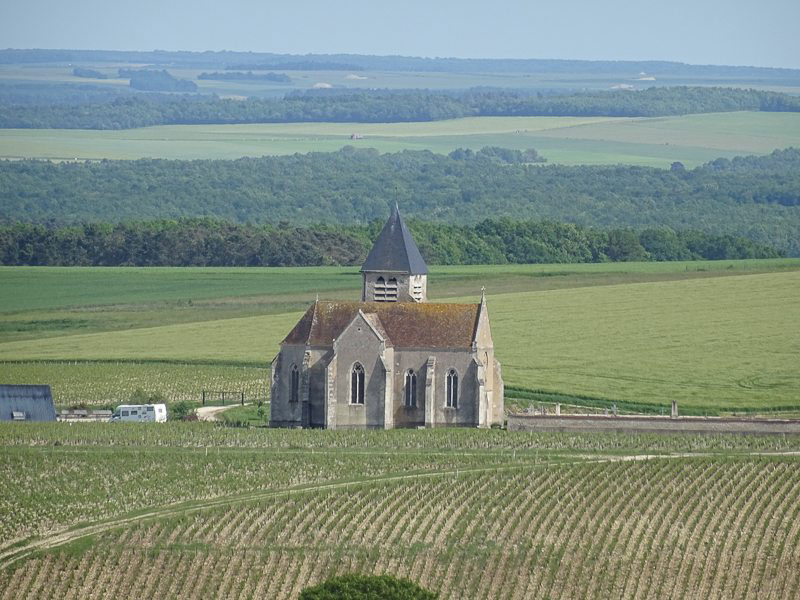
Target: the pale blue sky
(734, 32)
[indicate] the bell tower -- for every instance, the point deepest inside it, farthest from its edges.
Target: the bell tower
(394, 270)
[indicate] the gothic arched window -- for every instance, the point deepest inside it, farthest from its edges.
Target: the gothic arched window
(295, 384)
(411, 389)
(357, 384)
(452, 389)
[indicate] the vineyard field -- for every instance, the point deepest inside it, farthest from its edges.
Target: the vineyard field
(74, 485)
(471, 514)
(113, 383)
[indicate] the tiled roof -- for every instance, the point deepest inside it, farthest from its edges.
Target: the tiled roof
(406, 324)
(395, 249)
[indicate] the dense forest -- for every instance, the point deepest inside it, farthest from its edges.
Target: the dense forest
(206, 242)
(379, 106)
(756, 197)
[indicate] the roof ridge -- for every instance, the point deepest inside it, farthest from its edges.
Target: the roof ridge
(379, 305)
(313, 320)
(373, 319)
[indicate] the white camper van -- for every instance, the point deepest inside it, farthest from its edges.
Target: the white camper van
(141, 412)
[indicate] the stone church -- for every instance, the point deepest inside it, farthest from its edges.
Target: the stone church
(392, 360)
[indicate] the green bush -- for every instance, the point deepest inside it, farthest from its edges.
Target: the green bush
(180, 410)
(367, 587)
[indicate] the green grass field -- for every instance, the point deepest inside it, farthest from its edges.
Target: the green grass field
(691, 139)
(718, 337)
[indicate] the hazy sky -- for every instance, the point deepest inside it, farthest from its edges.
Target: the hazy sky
(734, 32)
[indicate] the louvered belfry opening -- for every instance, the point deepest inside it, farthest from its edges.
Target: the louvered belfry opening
(391, 290)
(386, 290)
(380, 290)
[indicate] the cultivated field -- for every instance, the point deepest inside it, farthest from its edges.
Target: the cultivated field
(594, 79)
(718, 337)
(691, 139)
(198, 511)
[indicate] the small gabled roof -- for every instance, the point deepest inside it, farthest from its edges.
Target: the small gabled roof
(376, 325)
(401, 324)
(395, 249)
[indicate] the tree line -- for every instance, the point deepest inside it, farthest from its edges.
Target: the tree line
(54, 94)
(315, 62)
(757, 197)
(208, 242)
(297, 65)
(379, 106)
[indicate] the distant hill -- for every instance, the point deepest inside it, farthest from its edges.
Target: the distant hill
(753, 197)
(250, 60)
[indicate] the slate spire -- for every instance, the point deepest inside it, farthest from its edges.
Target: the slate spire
(395, 249)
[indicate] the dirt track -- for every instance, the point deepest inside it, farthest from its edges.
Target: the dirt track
(210, 413)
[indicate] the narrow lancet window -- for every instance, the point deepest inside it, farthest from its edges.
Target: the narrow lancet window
(357, 384)
(452, 389)
(295, 384)
(411, 389)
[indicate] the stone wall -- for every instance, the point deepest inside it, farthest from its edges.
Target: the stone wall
(360, 343)
(460, 360)
(643, 424)
(309, 410)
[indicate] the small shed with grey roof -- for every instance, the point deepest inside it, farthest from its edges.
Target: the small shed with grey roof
(26, 403)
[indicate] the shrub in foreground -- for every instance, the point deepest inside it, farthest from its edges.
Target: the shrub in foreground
(367, 587)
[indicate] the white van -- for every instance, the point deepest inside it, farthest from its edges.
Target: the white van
(141, 412)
